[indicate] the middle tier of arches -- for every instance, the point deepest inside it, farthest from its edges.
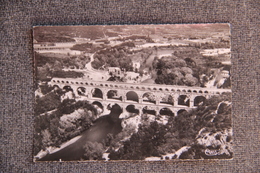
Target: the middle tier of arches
(142, 97)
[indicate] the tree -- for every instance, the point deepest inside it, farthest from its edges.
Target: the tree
(93, 150)
(186, 70)
(46, 103)
(57, 66)
(190, 62)
(168, 99)
(150, 96)
(170, 70)
(189, 80)
(43, 72)
(142, 144)
(97, 63)
(112, 93)
(67, 74)
(46, 138)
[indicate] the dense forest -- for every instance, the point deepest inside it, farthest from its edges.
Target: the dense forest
(52, 65)
(113, 57)
(65, 120)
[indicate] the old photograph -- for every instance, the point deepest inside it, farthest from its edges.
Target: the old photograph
(132, 92)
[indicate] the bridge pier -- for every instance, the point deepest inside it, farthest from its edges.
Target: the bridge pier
(175, 97)
(175, 112)
(90, 95)
(192, 97)
(105, 94)
(75, 90)
(123, 98)
(104, 97)
(191, 103)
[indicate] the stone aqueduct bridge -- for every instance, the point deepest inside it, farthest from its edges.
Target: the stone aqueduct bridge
(183, 98)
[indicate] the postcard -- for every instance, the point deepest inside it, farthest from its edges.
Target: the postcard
(132, 92)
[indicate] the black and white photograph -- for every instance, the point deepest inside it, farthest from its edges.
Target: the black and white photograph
(132, 92)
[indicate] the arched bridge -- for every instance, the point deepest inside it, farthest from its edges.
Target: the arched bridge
(159, 98)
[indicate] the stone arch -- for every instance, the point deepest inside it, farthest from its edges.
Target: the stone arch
(82, 91)
(149, 97)
(181, 111)
(199, 100)
(56, 89)
(97, 93)
(166, 111)
(67, 88)
(116, 110)
(98, 104)
(56, 86)
(167, 99)
(113, 94)
(132, 109)
(132, 96)
(99, 107)
(183, 100)
(145, 110)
